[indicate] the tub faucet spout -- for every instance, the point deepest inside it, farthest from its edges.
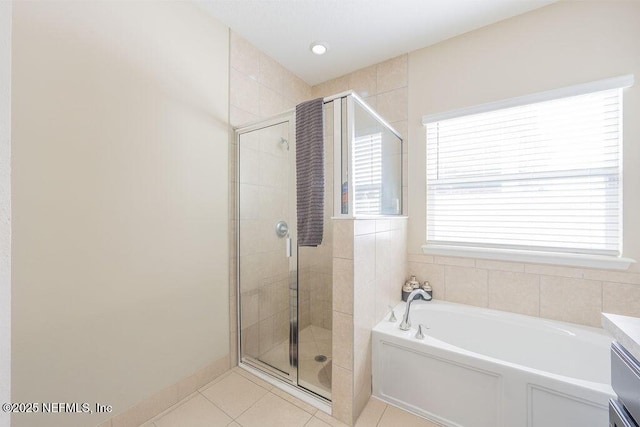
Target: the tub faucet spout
(405, 325)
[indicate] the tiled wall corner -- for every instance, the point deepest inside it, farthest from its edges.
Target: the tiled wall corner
(370, 265)
(342, 333)
(342, 395)
(343, 238)
(342, 340)
(576, 295)
(342, 282)
(259, 86)
(365, 291)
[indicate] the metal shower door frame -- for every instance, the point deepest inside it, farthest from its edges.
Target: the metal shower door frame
(343, 140)
(292, 377)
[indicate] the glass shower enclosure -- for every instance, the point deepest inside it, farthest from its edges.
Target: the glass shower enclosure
(285, 292)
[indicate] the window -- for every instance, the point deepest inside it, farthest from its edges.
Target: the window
(539, 173)
(368, 173)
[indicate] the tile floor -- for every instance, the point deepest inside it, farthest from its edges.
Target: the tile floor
(240, 399)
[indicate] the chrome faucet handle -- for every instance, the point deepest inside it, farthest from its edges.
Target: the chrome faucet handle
(392, 316)
(419, 334)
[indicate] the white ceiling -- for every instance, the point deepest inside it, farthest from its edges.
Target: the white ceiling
(359, 32)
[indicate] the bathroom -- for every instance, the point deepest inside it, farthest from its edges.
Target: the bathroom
(120, 258)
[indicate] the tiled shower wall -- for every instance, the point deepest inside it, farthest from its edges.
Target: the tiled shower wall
(370, 264)
(315, 264)
(259, 88)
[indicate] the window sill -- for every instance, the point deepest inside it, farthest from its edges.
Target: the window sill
(556, 258)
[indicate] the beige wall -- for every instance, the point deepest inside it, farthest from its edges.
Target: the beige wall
(120, 201)
(559, 45)
(5, 207)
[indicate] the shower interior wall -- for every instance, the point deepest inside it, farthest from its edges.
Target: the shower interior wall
(260, 88)
(315, 264)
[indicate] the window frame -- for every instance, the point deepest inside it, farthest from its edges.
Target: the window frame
(536, 256)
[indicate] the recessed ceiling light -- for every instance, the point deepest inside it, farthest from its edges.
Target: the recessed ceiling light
(319, 48)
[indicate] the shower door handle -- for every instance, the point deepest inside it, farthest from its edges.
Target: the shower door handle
(282, 230)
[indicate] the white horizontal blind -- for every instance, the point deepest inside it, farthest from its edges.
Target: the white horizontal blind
(367, 187)
(543, 176)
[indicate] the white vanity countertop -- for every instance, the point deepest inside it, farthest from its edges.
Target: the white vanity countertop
(625, 329)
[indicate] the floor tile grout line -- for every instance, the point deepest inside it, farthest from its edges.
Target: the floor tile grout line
(382, 415)
(291, 403)
(216, 380)
(312, 414)
(252, 405)
(284, 400)
(214, 404)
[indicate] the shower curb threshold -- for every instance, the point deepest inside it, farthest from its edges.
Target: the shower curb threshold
(305, 397)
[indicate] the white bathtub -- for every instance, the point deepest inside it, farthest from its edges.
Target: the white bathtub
(486, 368)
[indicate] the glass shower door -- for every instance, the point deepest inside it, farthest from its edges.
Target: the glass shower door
(267, 253)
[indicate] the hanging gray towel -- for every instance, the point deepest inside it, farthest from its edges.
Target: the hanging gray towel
(310, 171)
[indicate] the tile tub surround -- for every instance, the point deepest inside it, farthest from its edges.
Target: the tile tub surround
(370, 266)
(576, 295)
